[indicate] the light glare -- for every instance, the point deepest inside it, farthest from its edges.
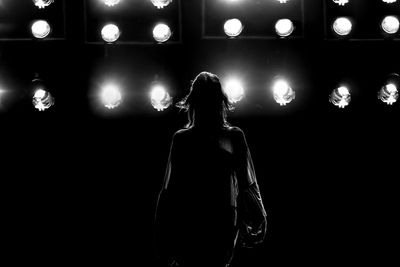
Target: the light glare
(111, 96)
(284, 27)
(340, 97)
(110, 33)
(161, 33)
(42, 3)
(390, 24)
(342, 26)
(40, 29)
(389, 94)
(234, 91)
(111, 2)
(160, 98)
(341, 2)
(233, 27)
(283, 93)
(161, 3)
(42, 99)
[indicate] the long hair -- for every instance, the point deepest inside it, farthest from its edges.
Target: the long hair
(206, 95)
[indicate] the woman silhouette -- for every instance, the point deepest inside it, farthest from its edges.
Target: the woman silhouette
(210, 200)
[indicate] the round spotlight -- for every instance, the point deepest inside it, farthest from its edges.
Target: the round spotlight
(340, 97)
(342, 26)
(110, 33)
(111, 2)
(42, 3)
(111, 96)
(42, 99)
(234, 91)
(161, 3)
(341, 2)
(40, 29)
(162, 33)
(390, 24)
(283, 93)
(233, 27)
(160, 99)
(284, 27)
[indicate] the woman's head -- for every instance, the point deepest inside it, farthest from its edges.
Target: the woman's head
(206, 102)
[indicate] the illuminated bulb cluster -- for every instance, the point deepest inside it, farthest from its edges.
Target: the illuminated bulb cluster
(111, 96)
(390, 24)
(42, 100)
(40, 29)
(42, 3)
(283, 93)
(111, 2)
(110, 33)
(389, 94)
(389, 1)
(342, 26)
(160, 99)
(234, 91)
(341, 2)
(161, 3)
(340, 97)
(233, 27)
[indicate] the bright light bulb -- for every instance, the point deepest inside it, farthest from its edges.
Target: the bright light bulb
(161, 33)
(161, 3)
(390, 24)
(40, 29)
(160, 99)
(111, 2)
(233, 27)
(389, 94)
(341, 2)
(342, 26)
(283, 1)
(234, 91)
(42, 3)
(283, 93)
(111, 96)
(389, 1)
(284, 27)
(340, 97)
(42, 99)
(110, 33)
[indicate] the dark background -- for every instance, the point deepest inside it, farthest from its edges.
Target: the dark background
(79, 185)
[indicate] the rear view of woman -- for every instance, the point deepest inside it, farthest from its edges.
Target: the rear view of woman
(210, 200)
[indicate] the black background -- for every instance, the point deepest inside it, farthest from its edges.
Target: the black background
(80, 185)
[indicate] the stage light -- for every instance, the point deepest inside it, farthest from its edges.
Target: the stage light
(342, 26)
(234, 91)
(233, 27)
(111, 2)
(161, 33)
(111, 96)
(389, 94)
(389, 1)
(40, 29)
(390, 24)
(341, 2)
(161, 3)
(42, 99)
(340, 97)
(42, 3)
(160, 99)
(284, 27)
(283, 1)
(283, 93)
(110, 33)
